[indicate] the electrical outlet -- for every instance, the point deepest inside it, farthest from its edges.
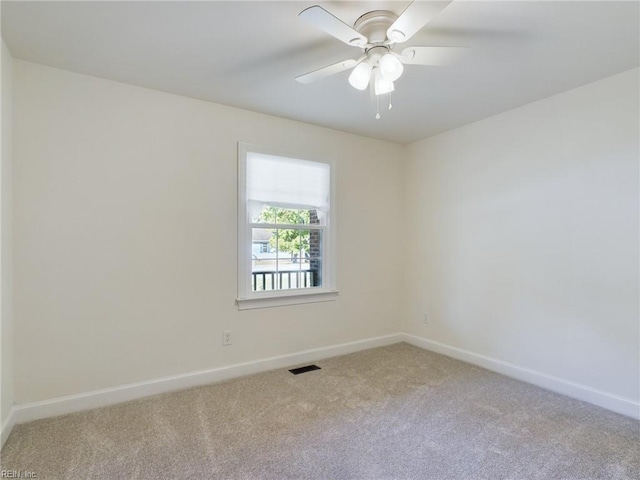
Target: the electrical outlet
(425, 319)
(226, 337)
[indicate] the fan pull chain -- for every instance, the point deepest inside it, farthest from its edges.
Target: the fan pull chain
(390, 104)
(377, 107)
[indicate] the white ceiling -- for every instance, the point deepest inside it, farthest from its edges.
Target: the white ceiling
(246, 54)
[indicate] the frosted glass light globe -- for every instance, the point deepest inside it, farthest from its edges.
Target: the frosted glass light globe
(390, 67)
(360, 76)
(382, 85)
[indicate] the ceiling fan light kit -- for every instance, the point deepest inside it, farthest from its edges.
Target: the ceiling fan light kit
(376, 33)
(382, 85)
(390, 67)
(360, 76)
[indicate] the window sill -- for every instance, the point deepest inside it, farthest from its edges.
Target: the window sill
(284, 300)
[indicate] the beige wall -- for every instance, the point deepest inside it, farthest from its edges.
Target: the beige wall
(125, 236)
(524, 243)
(521, 236)
(6, 283)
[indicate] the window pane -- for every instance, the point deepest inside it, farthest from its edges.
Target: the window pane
(294, 259)
(292, 216)
(288, 216)
(263, 259)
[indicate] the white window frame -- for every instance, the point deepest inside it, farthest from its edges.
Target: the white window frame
(248, 299)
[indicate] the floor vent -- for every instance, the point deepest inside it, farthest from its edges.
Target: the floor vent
(308, 368)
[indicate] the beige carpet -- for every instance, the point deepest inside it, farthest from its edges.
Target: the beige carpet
(393, 412)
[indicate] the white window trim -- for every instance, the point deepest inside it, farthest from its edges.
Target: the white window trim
(247, 299)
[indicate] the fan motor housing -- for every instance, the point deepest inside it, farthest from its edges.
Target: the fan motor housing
(375, 54)
(374, 25)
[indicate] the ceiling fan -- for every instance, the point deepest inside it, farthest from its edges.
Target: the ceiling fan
(376, 33)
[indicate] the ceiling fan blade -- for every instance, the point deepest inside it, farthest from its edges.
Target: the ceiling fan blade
(416, 16)
(326, 22)
(434, 56)
(328, 71)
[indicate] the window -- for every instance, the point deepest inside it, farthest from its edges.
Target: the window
(286, 251)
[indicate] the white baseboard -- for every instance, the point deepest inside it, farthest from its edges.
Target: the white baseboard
(611, 402)
(109, 396)
(7, 426)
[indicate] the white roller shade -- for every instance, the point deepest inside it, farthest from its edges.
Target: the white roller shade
(287, 182)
